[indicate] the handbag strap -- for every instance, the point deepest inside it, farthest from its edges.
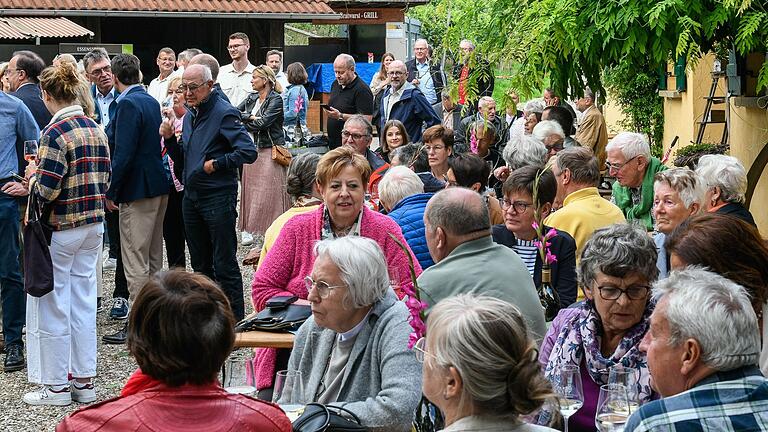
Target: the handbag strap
(344, 413)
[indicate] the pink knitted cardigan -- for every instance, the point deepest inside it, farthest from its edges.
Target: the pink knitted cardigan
(291, 259)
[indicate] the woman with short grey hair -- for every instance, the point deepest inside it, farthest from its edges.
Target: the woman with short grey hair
(678, 194)
(725, 180)
(524, 150)
(353, 350)
(479, 365)
(617, 269)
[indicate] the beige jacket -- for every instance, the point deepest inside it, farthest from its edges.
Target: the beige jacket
(593, 134)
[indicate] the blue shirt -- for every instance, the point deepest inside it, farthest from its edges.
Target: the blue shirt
(736, 400)
(426, 85)
(104, 101)
(16, 126)
(121, 96)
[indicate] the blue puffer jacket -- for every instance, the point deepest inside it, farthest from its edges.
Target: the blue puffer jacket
(409, 214)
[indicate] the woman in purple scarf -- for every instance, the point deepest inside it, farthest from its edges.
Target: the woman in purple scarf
(617, 269)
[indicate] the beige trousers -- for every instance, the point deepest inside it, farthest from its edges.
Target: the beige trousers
(141, 240)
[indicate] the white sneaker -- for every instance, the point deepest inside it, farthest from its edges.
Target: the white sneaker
(109, 263)
(85, 394)
(246, 238)
(45, 396)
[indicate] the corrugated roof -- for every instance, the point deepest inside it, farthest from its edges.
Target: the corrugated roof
(266, 7)
(32, 27)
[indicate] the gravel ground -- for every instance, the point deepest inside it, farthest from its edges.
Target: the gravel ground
(114, 366)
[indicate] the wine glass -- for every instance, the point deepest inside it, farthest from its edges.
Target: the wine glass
(289, 393)
(567, 385)
(30, 150)
(238, 377)
(628, 377)
(612, 408)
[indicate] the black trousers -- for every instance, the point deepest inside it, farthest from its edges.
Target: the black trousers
(113, 231)
(173, 231)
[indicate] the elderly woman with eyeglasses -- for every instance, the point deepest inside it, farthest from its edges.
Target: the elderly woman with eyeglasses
(617, 269)
(479, 366)
(341, 178)
(353, 350)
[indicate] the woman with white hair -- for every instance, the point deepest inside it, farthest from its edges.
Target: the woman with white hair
(726, 182)
(551, 134)
(353, 350)
(480, 365)
(678, 194)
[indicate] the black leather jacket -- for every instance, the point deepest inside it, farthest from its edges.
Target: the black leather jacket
(267, 127)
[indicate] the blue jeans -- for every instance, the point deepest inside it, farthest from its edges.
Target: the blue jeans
(11, 280)
(209, 224)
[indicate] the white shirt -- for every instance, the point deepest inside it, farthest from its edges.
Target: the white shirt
(236, 85)
(392, 99)
(282, 78)
(104, 101)
(158, 88)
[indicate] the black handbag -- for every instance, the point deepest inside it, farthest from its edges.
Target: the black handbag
(284, 318)
(327, 418)
(38, 268)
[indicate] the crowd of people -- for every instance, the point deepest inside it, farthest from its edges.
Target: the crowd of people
(666, 278)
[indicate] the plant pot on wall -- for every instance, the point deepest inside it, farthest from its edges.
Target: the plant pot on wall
(688, 156)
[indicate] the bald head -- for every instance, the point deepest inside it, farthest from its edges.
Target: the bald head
(397, 74)
(207, 60)
(458, 211)
(197, 84)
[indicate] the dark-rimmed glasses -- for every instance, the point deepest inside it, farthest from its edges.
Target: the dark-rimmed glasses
(519, 206)
(346, 134)
(191, 87)
(635, 292)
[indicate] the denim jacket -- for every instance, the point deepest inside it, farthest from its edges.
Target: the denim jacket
(292, 93)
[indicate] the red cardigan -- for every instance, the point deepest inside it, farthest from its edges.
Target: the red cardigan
(290, 260)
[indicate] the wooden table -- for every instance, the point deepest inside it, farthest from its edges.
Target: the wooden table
(264, 339)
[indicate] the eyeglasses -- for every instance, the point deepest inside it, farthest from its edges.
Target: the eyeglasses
(323, 289)
(420, 350)
(615, 167)
(165, 59)
(449, 183)
(98, 72)
(435, 148)
(191, 87)
(635, 292)
(395, 73)
(346, 134)
(519, 206)
(9, 70)
(234, 47)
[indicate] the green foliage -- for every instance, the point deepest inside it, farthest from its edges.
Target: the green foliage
(636, 92)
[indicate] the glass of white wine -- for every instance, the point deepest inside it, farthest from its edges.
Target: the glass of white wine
(566, 383)
(289, 393)
(612, 408)
(629, 378)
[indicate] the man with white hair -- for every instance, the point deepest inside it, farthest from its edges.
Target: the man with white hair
(407, 103)
(349, 96)
(402, 194)
(424, 75)
(551, 134)
(629, 160)
(182, 60)
(592, 132)
(726, 181)
(471, 69)
(486, 111)
(703, 347)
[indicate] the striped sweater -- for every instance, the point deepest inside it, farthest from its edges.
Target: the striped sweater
(73, 169)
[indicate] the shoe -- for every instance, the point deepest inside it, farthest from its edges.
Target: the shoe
(100, 305)
(14, 358)
(47, 396)
(109, 264)
(246, 238)
(120, 309)
(85, 394)
(116, 338)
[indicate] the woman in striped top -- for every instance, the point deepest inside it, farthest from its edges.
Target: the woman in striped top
(517, 231)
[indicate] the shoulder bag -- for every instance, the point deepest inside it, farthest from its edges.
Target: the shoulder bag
(38, 268)
(327, 418)
(281, 317)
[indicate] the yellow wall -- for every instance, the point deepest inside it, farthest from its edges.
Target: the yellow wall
(749, 133)
(613, 116)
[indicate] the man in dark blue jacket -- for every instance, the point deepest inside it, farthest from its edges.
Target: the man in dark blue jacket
(402, 101)
(214, 144)
(22, 72)
(139, 182)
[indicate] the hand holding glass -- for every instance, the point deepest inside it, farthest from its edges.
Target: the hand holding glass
(30, 150)
(567, 385)
(612, 408)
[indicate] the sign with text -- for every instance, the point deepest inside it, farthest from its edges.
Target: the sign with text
(365, 16)
(84, 48)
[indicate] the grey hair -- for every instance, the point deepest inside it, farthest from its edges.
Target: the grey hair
(207, 75)
(349, 61)
(360, 119)
(399, 182)
(631, 144)
(445, 95)
(468, 42)
(457, 215)
(618, 250)
(725, 172)
(488, 342)
(485, 100)
(588, 93)
(714, 311)
(484, 126)
(581, 162)
(545, 128)
(95, 55)
(421, 40)
(534, 106)
(362, 266)
(524, 150)
(302, 175)
(187, 54)
(685, 182)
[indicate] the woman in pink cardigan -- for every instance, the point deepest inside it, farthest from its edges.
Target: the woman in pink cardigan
(342, 176)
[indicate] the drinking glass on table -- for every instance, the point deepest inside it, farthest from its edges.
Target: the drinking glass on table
(30, 150)
(612, 408)
(566, 383)
(238, 376)
(289, 393)
(628, 377)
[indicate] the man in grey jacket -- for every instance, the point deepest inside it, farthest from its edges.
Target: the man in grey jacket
(468, 261)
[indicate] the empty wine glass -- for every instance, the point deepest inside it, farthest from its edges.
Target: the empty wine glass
(628, 377)
(612, 408)
(30, 150)
(289, 393)
(566, 383)
(238, 376)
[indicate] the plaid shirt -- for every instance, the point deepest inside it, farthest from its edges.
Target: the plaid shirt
(74, 169)
(736, 400)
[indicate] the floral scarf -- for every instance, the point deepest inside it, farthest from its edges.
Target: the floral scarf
(327, 230)
(579, 339)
